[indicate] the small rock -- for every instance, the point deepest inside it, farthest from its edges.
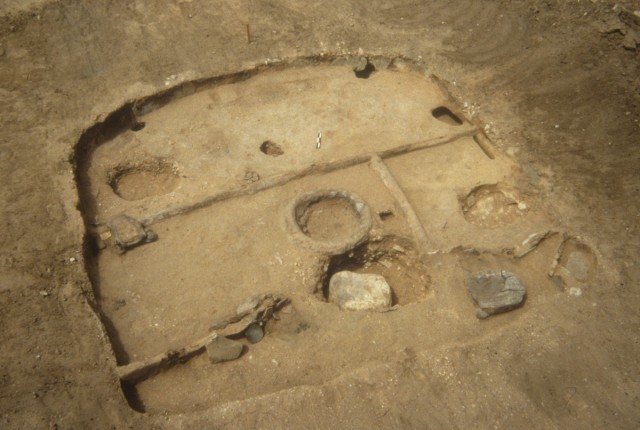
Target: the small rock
(481, 314)
(222, 349)
(575, 291)
(254, 333)
(399, 249)
(355, 291)
(495, 292)
(251, 176)
(385, 263)
(250, 304)
(631, 41)
(44, 293)
(128, 232)
(362, 64)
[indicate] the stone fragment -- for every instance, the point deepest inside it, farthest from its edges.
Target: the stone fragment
(126, 232)
(362, 64)
(356, 292)
(222, 349)
(530, 243)
(495, 292)
(250, 304)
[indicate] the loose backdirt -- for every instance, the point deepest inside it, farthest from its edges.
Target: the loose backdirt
(260, 147)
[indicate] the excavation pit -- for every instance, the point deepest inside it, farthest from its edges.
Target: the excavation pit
(229, 220)
(393, 258)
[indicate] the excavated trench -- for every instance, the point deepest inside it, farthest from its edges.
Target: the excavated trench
(269, 181)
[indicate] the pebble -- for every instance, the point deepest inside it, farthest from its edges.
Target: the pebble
(254, 333)
(357, 292)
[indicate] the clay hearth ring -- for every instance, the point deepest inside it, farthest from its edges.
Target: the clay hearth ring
(301, 209)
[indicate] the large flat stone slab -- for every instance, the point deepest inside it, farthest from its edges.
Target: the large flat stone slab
(495, 292)
(357, 292)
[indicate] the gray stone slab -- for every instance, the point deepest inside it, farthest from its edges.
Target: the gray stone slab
(222, 349)
(495, 292)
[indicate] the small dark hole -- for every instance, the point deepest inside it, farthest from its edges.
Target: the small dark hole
(445, 115)
(365, 72)
(137, 126)
(384, 215)
(303, 326)
(132, 396)
(271, 148)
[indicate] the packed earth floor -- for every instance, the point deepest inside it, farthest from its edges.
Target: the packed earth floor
(191, 194)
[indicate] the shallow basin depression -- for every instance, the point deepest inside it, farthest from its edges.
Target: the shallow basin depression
(147, 179)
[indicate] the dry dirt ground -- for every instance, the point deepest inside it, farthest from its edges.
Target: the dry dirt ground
(551, 87)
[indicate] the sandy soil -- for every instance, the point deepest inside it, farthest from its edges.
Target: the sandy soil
(554, 85)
